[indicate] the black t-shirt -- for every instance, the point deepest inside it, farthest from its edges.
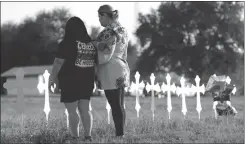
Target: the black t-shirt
(79, 65)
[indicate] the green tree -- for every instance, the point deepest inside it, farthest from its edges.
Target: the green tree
(52, 27)
(26, 41)
(132, 58)
(191, 38)
(8, 33)
(35, 40)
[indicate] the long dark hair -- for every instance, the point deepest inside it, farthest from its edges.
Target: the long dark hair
(76, 30)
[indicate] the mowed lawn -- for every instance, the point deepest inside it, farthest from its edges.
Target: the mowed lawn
(144, 129)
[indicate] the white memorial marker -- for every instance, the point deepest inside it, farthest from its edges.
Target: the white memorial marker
(197, 89)
(153, 88)
(44, 87)
(168, 88)
(228, 81)
(182, 90)
(20, 95)
(108, 107)
(19, 77)
(135, 87)
(234, 91)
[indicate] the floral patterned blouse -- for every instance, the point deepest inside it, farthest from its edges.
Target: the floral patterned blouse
(112, 70)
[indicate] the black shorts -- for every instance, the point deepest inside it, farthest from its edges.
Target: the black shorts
(71, 95)
(76, 84)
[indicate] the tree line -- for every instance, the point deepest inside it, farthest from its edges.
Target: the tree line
(187, 38)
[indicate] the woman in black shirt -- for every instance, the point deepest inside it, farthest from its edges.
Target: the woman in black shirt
(74, 66)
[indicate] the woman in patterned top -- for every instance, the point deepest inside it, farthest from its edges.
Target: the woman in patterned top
(74, 66)
(113, 71)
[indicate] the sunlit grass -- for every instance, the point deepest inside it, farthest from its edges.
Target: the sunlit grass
(142, 130)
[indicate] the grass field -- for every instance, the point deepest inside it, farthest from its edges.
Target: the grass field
(142, 130)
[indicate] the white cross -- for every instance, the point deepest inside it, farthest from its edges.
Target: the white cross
(197, 89)
(234, 91)
(183, 90)
(20, 95)
(44, 87)
(20, 78)
(168, 88)
(108, 107)
(228, 80)
(152, 88)
(135, 88)
(19, 85)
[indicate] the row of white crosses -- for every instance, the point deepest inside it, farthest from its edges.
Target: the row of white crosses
(136, 87)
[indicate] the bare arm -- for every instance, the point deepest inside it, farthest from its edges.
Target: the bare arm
(58, 62)
(106, 47)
